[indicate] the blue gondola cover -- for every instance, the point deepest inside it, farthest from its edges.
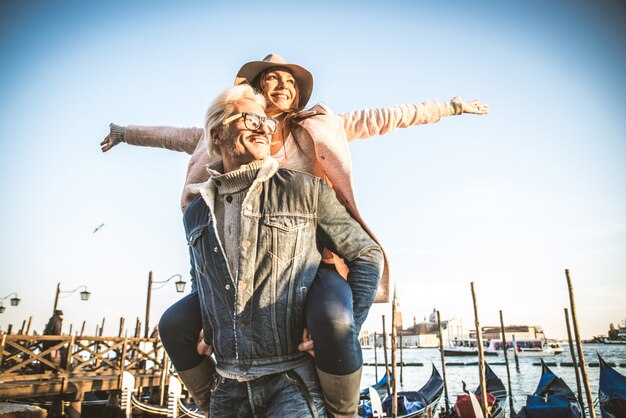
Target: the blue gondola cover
(556, 406)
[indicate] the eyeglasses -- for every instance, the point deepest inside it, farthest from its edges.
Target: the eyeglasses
(253, 121)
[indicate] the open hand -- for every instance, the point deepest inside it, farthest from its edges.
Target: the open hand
(107, 144)
(475, 107)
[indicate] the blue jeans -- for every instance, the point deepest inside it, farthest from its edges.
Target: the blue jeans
(329, 318)
(295, 393)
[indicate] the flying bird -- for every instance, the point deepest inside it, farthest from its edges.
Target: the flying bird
(97, 228)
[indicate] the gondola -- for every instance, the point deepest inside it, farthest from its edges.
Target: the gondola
(612, 394)
(380, 387)
(412, 404)
(496, 398)
(552, 398)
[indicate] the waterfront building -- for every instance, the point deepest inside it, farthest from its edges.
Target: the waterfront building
(520, 332)
(426, 334)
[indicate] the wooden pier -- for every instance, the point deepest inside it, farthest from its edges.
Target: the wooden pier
(66, 368)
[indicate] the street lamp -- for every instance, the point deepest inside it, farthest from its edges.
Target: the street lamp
(180, 287)
(84, 294)
(14, 301)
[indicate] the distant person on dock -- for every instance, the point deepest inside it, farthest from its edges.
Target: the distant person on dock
(314, 141)
(55, 324)
(54, 327)
(256, 235)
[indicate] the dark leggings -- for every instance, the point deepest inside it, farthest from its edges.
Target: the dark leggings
(329, 318)
(179, 329)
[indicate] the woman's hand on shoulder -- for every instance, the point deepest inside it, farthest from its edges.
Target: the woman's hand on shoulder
(203, 348)
(307, 343)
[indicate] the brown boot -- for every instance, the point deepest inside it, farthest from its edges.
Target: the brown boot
(198, 382)
(341, 393)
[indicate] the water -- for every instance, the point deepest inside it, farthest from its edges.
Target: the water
(523, 382)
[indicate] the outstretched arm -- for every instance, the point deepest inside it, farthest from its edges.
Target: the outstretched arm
(369, 122)
(175, 139)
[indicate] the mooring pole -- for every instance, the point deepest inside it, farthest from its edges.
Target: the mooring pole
(375, 357)
(401, 359)
(394, 367)
(579, 346)
(481, 355)
(574, 361)
(506, 362)
(515, 354)
(443, 365)
(386, 360)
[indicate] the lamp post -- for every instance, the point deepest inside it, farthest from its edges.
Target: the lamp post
(14, 301)
(180, 287)
(84, 294)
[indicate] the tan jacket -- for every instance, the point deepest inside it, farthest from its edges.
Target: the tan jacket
(319, 133)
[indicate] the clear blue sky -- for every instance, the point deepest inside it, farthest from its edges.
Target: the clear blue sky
(507, 200)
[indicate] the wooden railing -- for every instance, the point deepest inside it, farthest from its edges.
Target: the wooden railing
(62, 364)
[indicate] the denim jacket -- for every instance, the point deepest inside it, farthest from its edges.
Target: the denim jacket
(255, 322)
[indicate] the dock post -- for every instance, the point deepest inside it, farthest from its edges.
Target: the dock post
(481, 355)
(506, 362)
(173, 398)
(122, 320)
(75, 407)
(164, 377)
(579, 346)
(574, 360)
(3, 341)
(443, 365)
(56, 409)
(128, 385)
(137, 328)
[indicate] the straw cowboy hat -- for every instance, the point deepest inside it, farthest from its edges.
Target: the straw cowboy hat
(250, 70)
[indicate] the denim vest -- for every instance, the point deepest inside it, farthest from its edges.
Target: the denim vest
(255, 321)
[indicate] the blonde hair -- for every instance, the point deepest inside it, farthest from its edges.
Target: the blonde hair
(223, 106)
